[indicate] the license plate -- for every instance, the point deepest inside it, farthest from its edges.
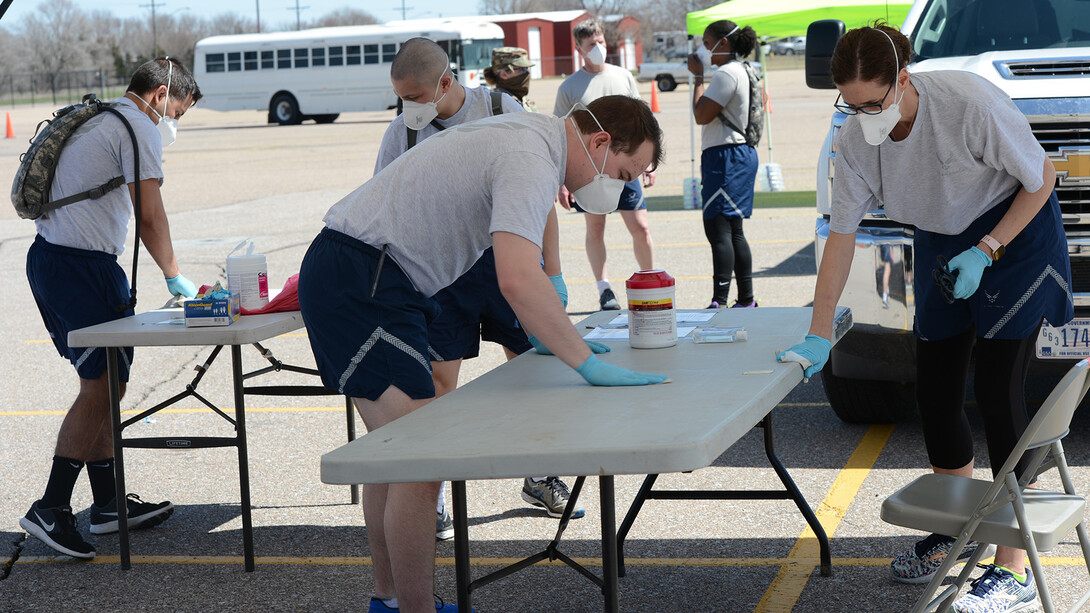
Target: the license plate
(1071, 341)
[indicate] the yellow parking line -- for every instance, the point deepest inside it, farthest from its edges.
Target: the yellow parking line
(787, 587)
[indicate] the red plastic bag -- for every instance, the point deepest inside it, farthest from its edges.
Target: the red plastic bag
(286, 300)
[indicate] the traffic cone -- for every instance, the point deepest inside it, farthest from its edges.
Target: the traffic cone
(11, 132)
(654, 97)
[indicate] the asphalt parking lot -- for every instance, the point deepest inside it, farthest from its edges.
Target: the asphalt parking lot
(231, 177)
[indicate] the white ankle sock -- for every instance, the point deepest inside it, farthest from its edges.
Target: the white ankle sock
(602, 286)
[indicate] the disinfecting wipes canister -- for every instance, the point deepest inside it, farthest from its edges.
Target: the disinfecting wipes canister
(247, 275)
(651, 319)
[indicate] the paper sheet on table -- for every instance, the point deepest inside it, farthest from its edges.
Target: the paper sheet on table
(621, 334)
(688, 317)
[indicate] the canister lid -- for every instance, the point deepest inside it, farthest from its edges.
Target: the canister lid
(649, 279)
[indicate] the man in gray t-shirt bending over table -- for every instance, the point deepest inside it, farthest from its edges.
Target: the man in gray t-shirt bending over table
(367, 283)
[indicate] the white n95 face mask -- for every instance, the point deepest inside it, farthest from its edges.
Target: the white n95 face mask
(706, 54)
(419, 114)
(876, 128)
(597, 55)
(603, 194)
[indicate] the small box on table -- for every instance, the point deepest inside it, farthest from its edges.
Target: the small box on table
(212, 311)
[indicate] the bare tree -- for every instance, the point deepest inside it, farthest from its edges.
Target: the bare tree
(344, 17)
(56, 38)
(508, 7)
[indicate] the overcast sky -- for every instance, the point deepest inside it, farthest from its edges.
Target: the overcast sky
(273, 12)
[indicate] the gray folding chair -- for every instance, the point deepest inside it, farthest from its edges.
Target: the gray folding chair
(1003, 511)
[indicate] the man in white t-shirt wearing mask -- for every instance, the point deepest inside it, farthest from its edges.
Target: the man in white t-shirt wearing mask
(368, 281)
(596, 79)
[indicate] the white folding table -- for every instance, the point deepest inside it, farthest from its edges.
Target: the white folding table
(161, 328)
(535, 416)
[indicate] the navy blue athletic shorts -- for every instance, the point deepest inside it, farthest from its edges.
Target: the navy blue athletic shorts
(76, 288)
(1031, 281)
(364, 344)
(474, 309)
(727, 177)
(631, 197)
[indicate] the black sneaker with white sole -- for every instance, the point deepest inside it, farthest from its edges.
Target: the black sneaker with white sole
(608, 301)
(140, 514)
(56, 527)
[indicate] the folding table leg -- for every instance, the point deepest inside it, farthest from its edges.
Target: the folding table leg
(461, 545)
(119, 457)
(609, 543)
(630, 518)
(243, 461)
(350, 412)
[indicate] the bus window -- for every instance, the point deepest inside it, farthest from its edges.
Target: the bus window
(370, 54)
(336, 56)
(249, 60)
(317, 56)
(213, 62)
(234, 61)
(283, 58)
(352, 57)
(267, 60)
(301, 58)
(388, 52)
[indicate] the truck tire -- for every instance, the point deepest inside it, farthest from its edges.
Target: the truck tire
(666, 83)
(330, 118)
(284, 110)
(862, 401)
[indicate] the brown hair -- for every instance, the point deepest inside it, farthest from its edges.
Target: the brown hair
(864, 54)
(742, 42)
(629, 122)
(585, 29)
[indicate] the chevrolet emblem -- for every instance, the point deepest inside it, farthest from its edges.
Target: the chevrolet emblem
(1072, 165)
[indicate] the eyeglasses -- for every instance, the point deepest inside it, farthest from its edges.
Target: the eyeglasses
(866, 109)
(945, 279)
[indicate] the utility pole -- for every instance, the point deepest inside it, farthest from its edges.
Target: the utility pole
(404, 10)
(154, 35)
(298, 10)
(258, 5)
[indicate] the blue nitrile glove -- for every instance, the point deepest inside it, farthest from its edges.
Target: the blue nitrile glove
(543, 350)
(180, 286)
(811, 354)
(970, 265)
(597, 372)
(561, 289)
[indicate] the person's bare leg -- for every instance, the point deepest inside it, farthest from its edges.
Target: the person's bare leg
(86, 433)
(642, 245)
(1007, 557)
(596, 245)
(402, 525)
(445, 376)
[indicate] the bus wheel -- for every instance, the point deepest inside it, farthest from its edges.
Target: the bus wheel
(326, 118)
(285, 110)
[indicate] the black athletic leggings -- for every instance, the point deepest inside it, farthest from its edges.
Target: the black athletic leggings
(730, 253)
(942, 370)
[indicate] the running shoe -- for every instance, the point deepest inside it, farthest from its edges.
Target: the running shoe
(739, 305)
(378, 606)
(444, 526)
(714, 305)
(140, 514)
(608, 301)
(922, 560)
(551, 494)
(56, 527)
(999, 591)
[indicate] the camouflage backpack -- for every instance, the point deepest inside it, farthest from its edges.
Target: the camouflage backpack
(38, 166)
(756, 120)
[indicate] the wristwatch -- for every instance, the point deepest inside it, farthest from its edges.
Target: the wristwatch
(997, 248)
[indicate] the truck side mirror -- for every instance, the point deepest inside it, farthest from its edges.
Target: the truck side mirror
(821, 39)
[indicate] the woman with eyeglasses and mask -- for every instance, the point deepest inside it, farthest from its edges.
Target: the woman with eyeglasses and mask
(728, 166)
(949, 153)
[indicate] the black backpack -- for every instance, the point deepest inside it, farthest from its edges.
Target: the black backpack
(497, 109)
(756, 121)
(38, 166)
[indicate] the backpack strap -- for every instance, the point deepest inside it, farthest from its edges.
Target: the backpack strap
(411, 134)
(131, 304)
(722, 116)
(497, 103)
(92, 194)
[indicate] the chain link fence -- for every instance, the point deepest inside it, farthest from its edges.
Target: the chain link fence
(60, 88)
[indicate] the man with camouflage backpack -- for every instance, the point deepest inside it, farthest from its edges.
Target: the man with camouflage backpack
(76, 281)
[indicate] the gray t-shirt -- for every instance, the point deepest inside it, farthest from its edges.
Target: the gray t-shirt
(586, 87)
(969, 148)
(436, 206)
(98, 151)
(477, 105)
(729, 88)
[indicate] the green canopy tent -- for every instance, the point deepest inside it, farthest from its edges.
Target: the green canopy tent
(773, 19)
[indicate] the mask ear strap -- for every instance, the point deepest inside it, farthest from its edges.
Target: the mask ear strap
(589, 156)
(170, 72)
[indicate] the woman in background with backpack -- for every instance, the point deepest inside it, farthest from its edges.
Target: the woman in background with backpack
(728, 166)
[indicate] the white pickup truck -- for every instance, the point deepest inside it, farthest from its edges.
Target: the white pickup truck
(666, 74)
(1038, 52)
